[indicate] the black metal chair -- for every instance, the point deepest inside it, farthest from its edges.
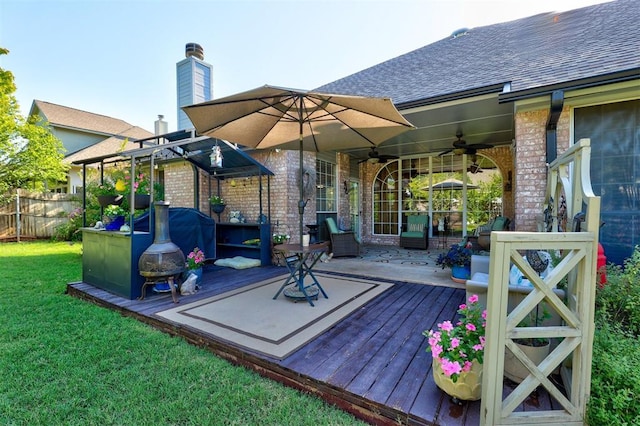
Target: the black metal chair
(343, 243)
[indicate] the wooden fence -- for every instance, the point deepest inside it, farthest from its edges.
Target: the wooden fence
(32, 215)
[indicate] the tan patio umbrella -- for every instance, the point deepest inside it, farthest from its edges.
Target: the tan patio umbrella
(451, 184)
(276, 117)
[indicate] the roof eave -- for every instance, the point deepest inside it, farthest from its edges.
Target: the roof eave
(454, 96)
(583, 83)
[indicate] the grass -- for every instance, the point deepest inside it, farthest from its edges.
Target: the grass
(66, 361)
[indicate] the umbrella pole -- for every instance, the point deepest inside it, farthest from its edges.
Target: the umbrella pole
(301, 204)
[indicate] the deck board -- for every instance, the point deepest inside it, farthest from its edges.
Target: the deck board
(372, 363)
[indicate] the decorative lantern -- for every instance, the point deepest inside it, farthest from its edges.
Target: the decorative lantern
(216, 156)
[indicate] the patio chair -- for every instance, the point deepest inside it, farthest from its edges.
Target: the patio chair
(343, 243)
(417, 233)
(499, 223)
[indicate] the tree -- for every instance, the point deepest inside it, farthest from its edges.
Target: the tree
(30, 155)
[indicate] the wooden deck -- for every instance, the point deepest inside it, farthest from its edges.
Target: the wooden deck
(372, 364)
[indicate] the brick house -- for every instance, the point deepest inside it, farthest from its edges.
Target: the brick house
(528, 88)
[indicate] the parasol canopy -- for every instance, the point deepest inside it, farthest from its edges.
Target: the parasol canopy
(277, 117)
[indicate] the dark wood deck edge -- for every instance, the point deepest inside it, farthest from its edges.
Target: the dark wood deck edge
(364, 409)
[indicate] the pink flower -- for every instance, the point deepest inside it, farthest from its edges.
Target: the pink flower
(457, 346)
(433, 341)
(446, 326)
(436, 351)
(449, 368)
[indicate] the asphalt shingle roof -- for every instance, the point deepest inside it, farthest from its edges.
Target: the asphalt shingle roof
(62, 116)
(532, 52)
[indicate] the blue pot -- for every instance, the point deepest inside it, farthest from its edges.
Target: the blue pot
(461, 272)
(115, 224)
(197, 273)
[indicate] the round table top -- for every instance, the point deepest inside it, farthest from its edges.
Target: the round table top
(298, 248)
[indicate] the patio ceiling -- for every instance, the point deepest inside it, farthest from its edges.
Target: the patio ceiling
(481, 119)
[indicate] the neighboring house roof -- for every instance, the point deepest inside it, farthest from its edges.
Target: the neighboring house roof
(114, 130)
(71, 118)
(106, 147)
(528, 53)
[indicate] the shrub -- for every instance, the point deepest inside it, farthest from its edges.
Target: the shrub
(618, 301)
(615, 378)
(70, 230)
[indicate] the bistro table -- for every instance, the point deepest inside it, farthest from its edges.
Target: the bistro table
(300, 260)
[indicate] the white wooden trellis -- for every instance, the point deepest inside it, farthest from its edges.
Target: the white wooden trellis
(568, 175)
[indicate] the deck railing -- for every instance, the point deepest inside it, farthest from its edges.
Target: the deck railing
(568, 179)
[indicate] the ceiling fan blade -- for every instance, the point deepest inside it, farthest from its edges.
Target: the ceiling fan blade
(480, 146)
(445, 152)
(474, 168)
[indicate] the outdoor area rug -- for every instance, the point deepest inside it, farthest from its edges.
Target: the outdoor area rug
(249, 317)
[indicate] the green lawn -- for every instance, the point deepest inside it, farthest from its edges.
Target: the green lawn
(66, 361)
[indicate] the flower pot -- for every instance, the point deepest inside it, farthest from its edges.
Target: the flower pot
(218, 208)
(198, 274)
(115, 224)
(460, 274)
(110, 200)
(484, 240)
(141, 201)
(514, 369)
(468, 387)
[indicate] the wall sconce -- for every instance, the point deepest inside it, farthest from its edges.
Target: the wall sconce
(233, 183)
(507, 185)
(216, 156)
(346, 187)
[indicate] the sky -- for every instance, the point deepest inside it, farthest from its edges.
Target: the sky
(118, 58)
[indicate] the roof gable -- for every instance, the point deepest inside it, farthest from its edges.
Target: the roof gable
(62, 116)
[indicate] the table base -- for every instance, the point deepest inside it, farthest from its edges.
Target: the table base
(295, 294)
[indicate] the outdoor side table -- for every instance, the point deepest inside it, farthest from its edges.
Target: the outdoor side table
(301, 284)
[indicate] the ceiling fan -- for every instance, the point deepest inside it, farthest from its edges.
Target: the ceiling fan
(460, 147)
(375, 157)
(474, 167)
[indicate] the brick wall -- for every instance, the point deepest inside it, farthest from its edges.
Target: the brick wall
(179, 184)
(530, 158)
(523, 204)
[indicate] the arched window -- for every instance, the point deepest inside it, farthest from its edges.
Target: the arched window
(435, 186)
(386, 188)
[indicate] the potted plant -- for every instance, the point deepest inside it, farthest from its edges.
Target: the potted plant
(535, 348)
(280, 238)
(195, 262)
(217, 204)
(115, 217)
(140, 186)
(107, 195)
(458, 352)
(458, 258)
